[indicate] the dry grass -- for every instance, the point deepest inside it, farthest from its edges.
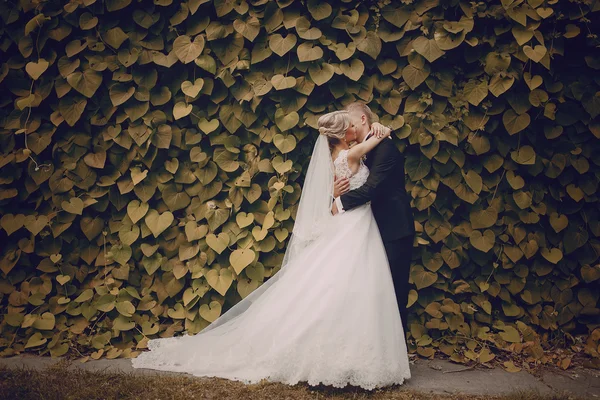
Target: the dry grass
(62, 382)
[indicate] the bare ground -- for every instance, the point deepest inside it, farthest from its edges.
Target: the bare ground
(31, 377)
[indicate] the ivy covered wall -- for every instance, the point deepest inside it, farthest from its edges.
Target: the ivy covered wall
(152, 156)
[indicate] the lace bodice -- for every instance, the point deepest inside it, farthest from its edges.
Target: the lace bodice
(342, 170)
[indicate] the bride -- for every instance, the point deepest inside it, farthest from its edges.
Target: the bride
(330, 315)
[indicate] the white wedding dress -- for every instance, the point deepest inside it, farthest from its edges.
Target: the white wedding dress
(329, 316)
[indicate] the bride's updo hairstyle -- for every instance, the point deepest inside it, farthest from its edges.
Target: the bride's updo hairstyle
(334, 126)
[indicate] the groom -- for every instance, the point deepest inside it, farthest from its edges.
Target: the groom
(389, 201)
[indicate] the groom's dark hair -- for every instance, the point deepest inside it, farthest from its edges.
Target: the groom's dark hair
(362, 108)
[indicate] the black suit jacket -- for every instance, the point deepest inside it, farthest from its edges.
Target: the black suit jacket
(385, 189)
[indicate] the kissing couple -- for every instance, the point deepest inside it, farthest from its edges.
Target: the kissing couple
(334, 313)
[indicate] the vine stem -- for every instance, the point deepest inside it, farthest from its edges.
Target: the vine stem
(102, 40)
(97, 320)
(77, 350)
(287, 69)
(482, 125)
(37, 166)
(584, 19)
(498, 184)
(105, 256)
(494, 269)
(13, 338)
(138, 329)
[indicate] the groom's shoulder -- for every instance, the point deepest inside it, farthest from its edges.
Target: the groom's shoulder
(388, 145)
(387, 149)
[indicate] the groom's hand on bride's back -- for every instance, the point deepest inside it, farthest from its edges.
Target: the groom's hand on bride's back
(340, 186)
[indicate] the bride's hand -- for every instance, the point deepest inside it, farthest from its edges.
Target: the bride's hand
(380, 131)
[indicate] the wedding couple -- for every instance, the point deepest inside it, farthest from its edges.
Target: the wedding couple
(333, 314)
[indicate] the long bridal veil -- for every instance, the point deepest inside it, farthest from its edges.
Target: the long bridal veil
(312, 218)
(314, 209)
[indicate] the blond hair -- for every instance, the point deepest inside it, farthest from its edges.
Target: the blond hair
(334, 125)
(362, 108)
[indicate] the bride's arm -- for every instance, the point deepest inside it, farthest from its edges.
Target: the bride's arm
(363, 148)
(386, 161)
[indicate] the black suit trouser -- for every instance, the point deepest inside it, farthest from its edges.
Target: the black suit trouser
(399, 254)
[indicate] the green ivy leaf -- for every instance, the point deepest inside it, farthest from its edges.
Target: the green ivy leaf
(86, 82)
(428, 48)
(187, 50)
